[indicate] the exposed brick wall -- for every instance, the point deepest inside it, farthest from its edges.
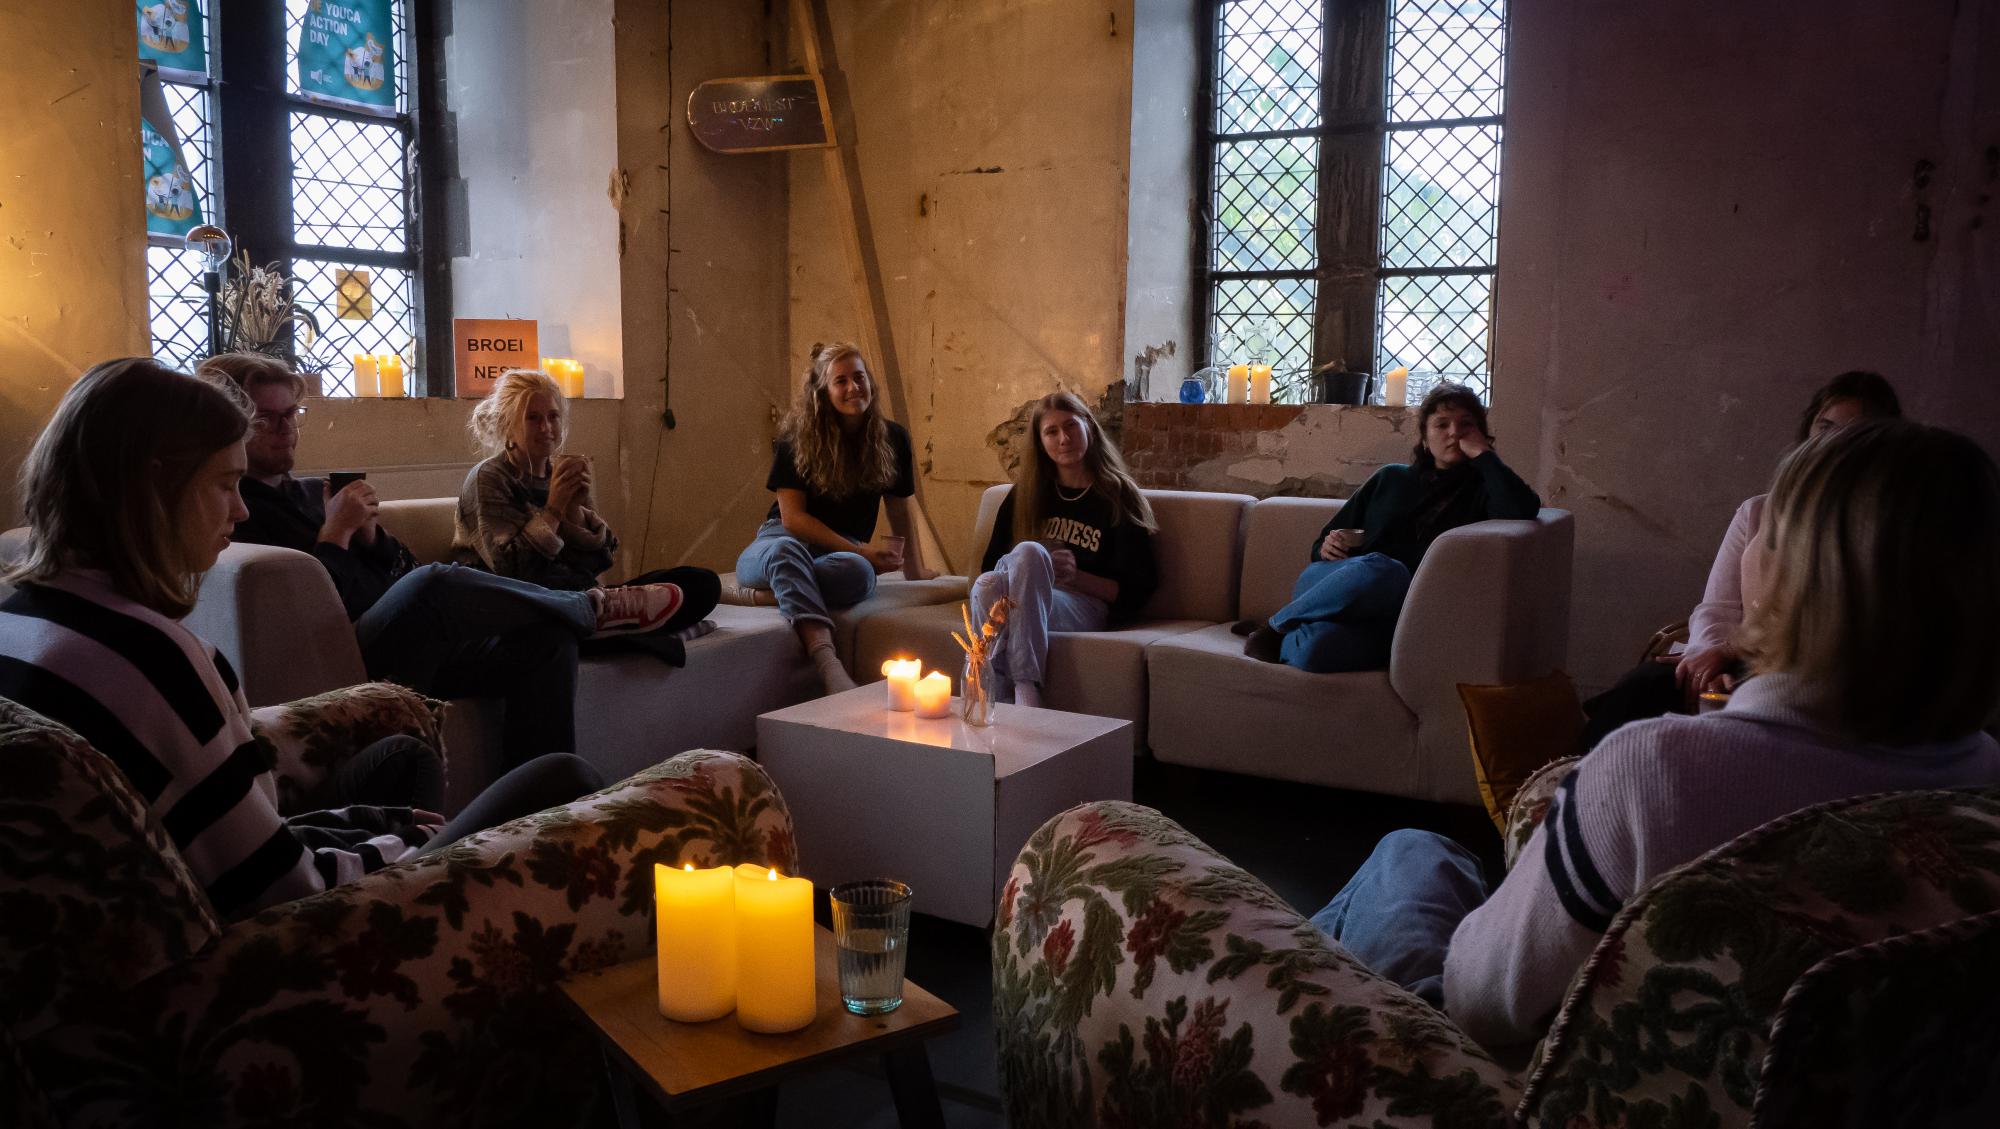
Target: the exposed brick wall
(1310, 450)
(1165, 442)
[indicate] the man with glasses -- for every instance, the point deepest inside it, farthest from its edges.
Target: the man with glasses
(440, 629)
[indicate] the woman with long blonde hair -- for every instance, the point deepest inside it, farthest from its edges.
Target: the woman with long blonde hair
(1072, 546)
(836, 462)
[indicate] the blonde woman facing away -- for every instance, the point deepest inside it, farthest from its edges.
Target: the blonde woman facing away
(837, 461)
(1875, 671)
(1072, 546)
(528, 511)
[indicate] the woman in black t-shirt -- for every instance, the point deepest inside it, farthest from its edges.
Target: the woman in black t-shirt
(1072, 546)
(836, 458)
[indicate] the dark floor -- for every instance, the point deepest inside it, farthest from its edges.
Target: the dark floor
(1303, 841)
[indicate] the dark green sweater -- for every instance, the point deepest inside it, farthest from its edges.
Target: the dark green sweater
(1390, 507)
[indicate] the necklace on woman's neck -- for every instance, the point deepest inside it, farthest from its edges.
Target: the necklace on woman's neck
(1077, 497)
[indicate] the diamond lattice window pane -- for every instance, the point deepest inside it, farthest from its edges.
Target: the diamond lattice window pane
(295, 18)
(1441, 197)
(381, 316)
(178, 305)
(1266, 203)
(1277, 310)
(347, 183)
(1267, 65)
(189, 106)
(1447, 59)
(1437, 327)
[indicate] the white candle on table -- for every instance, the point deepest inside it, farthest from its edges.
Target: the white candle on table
(695, 925)
(934, 695)
(902, 676)
(775, 979)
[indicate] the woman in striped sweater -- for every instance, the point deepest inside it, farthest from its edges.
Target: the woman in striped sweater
(124, 515)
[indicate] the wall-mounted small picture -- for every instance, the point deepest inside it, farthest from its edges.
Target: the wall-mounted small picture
(353, 299)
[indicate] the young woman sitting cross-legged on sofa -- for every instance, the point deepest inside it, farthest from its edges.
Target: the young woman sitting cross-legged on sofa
(527, 511)
(1875, 671)
(1344, 606)
(124, 514)
(1713, 660)
(836, 462)
(1072, 545)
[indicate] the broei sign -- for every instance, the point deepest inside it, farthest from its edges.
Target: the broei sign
(759, 115)
(487, 347)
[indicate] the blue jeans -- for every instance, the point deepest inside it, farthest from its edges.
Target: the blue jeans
(1397, 914)
(1343, 614)
(1026, 576)
(457, 632)
(806, 581)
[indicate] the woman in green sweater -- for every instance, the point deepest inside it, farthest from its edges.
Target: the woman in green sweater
(1344, 607)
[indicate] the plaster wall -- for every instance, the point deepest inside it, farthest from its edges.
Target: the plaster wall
(1160, 345)
(533, 87)
(993, 139)
(72, 233)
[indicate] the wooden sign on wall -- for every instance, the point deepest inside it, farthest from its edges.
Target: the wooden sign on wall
(487, 347)
(762, 114)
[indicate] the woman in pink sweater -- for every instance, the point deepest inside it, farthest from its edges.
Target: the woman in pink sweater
(1876, 671)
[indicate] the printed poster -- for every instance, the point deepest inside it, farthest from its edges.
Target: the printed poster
(170, 35)
(171, 206)
(347, 54)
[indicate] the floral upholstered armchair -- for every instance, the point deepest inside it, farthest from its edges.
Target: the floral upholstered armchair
(1839, 966)
(422, 995)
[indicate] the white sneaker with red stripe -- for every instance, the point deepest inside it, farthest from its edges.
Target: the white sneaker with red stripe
(635, 610)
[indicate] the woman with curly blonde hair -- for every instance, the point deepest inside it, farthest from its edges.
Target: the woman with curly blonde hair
(837, 461)
(1072, 546)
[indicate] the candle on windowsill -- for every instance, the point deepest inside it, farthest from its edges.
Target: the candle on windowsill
(1260, 384)
(934, 695)
(1395, 387)
(775, 978)
(902, 683)
(365, 379)
(1237, 389)
(568, 374)
(389, 371)
(695, 926)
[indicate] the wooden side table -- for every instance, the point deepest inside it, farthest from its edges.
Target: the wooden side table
(682, 1065)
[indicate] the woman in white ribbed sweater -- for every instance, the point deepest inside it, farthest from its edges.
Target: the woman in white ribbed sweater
(1876, 671)
(131, 493)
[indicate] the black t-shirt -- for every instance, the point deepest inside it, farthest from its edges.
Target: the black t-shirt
(289, 515)
(1114, 550)
(853, 517)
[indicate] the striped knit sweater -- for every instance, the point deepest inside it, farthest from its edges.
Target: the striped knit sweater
(1652, 796)
(165, 708)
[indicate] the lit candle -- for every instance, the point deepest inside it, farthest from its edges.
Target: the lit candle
(775, 982)
(934, 695)
(568, 375)
(902, 675)
(1260, 384)
(1395, 387)
(695, 923)
(364, 375)
(1237, 391)
(389, 367)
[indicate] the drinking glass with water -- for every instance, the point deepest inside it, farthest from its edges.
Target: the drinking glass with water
(871, 932)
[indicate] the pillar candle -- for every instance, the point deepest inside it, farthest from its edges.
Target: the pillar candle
(902, 675)
(934, 695)
(695, 923)
(1395, 387)
(776, 988)
(364, 375)
(1260, 384)
(389, 367)
(1239, 384)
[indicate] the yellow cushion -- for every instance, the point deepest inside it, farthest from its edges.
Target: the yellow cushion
(1516, 729)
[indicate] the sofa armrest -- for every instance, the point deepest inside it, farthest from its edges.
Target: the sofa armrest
(1489, 604)
(426, 993)
(1139, 977)
(309, 738)
(1531, 805)
(274, 614)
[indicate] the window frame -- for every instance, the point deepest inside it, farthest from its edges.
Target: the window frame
(1353, 136)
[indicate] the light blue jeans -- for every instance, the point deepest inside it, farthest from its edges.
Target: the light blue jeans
(1343, 614)
(1398, 912)
(806, 581)
(1026, 575)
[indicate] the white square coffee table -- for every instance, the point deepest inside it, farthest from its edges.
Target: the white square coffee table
(939, 804)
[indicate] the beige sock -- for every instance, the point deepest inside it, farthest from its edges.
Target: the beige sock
(831, 674)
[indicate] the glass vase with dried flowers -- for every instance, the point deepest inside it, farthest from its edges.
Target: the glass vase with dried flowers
(976, 691)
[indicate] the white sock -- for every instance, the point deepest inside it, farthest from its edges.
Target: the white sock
(832, 675)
